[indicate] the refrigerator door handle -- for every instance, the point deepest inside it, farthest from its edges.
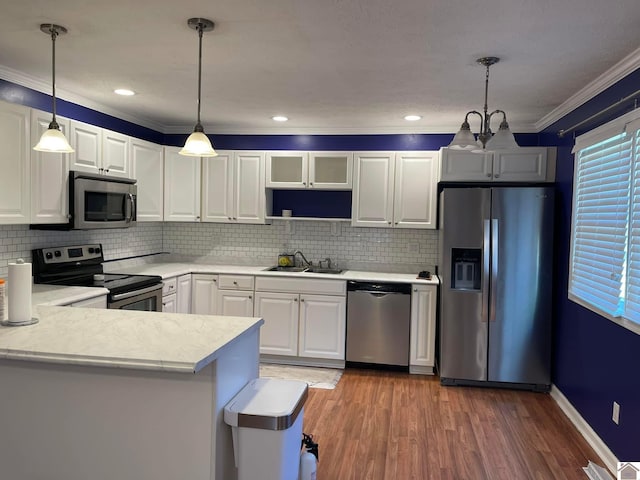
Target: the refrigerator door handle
(494, 268)
(486, 257)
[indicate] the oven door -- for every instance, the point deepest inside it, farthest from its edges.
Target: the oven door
(101, 202)
(148, 299)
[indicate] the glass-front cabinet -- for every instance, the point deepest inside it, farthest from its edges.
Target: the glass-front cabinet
(302, 170)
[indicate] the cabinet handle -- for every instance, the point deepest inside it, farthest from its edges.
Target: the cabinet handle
(228, 218)
(415, 289)
(497, 175)
(250, 297)
(235, 218)
(214, 280)
(295, 299)
(198, 217)
(106, 170)
(235, 283)
(389, 223)
(397, 223)
(489, 175)
(302, 299)
(311, 184)
(100, 170)
(304, 183)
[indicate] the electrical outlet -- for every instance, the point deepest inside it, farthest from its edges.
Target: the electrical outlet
(413, 248)
(616, 413)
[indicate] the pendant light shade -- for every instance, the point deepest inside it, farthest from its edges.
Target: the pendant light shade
(53, 140)
(198, 145)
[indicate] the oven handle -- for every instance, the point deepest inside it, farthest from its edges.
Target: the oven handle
(135, 293)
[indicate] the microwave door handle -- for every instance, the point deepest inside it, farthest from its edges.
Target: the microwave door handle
(134, 207)
(129, 208)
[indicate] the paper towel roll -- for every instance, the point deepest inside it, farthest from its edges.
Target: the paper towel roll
(19, 289)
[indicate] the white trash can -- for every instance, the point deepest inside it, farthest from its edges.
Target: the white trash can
(266, 422)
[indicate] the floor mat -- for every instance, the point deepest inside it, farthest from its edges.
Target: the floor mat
(326, 378)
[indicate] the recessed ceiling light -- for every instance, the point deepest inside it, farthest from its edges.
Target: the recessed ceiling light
(412, 118)
(124, 91)
(280, 118)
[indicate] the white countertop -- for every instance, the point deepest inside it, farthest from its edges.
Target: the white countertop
(168, 270)
(123, 339)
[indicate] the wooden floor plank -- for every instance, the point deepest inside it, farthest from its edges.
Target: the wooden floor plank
(385, 426)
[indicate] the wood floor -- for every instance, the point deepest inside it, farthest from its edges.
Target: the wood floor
(385, 425)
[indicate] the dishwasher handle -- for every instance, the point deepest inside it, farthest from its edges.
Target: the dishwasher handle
(379, 288)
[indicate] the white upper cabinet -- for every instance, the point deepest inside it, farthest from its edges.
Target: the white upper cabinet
(415, 196)
(233, 187)
(181, 186)
(395, 189)
(49, 175)
(331, 170)
(99, 151)
(147, 169)
(287, 169)
(526, 164)
(15, 163)
(372, 200)
(301, 170)
(116, 154)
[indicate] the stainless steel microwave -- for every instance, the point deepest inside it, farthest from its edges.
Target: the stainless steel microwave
(98, 201)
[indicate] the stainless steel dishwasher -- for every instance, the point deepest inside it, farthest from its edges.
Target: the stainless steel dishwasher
(378, 323)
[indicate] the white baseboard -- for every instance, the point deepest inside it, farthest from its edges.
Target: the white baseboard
(592, 438)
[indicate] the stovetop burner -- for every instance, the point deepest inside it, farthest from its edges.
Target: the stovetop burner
(81, 266)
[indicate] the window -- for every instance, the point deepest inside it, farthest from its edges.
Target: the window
(605, 239)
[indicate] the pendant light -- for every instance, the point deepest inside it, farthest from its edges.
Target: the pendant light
(465, 139)
(198, 145)
(53, 140)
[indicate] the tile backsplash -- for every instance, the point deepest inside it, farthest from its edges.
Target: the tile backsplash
(379, 249)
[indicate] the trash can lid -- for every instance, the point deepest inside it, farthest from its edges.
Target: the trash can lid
(267, 404)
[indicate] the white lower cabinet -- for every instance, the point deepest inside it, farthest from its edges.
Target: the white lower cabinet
(280, 311)
(204, 293)
(322, 326)
(235, 295)
(423, 329)
(176, 294)
(298, 323)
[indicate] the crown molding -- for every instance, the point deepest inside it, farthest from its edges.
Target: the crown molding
(43, 86)
(282, 130)
(624, 67)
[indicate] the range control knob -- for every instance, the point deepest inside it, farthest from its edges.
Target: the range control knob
(97, 250)
(48, 255)
(91, 250)
(57, 253)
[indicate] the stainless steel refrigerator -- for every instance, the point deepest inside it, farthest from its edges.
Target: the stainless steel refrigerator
(496, 247)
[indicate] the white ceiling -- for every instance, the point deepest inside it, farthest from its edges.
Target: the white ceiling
(331, 66)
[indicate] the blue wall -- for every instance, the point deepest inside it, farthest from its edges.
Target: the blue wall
(596, 361)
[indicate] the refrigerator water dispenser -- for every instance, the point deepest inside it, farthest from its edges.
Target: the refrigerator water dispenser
(465, 268)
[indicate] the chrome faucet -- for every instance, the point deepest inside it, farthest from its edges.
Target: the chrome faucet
(298, 252)
(328, 260)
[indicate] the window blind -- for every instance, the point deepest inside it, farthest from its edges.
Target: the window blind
(632, 297)
(600, 218)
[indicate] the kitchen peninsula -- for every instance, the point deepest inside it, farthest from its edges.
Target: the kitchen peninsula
(104, 394)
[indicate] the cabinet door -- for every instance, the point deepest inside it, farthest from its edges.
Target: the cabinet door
(416, 190)
(204, 293)
(423, 326)
(15, 164)
(86, 140)
(116, 151)
(287, 169)
(522, 165)
(170, 303)
(331, 170)
(372, 200)
(462, 165)
(279, 334)
(181, 187)
(49, 175)
(183, 300)
(235, 303)
(249, 188)
(147, 169)
(322, 326)
(217, 188)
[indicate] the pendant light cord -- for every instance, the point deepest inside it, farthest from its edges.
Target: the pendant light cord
(54, 34)
(200, 30)
(485, 119)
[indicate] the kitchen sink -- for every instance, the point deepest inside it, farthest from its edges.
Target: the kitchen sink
(285, 269)
(332, 271)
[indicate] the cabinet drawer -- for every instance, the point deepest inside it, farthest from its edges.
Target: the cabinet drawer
(170, 285)
(235, 282)
(301, 285)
